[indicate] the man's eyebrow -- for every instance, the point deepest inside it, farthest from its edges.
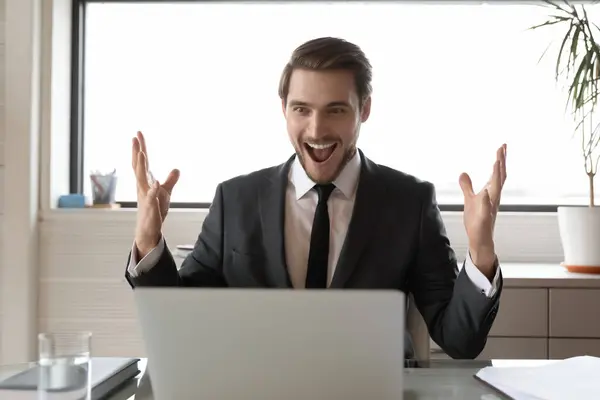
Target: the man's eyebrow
(298, 103)
(331, 104)
(338, 104)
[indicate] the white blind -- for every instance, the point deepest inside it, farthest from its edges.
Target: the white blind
(451, 83)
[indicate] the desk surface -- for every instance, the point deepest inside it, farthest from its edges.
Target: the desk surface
(443, 379)
(434, 380)
(546, 275)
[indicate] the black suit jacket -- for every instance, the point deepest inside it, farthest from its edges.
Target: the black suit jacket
(396, 240)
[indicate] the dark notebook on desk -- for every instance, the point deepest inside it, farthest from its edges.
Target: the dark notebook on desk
(108, 375)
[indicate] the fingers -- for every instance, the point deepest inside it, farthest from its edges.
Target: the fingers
(139, 162)
(138, 145)
(466, 185)
(493, 189)
(495, 183)
(496, 174)
(135, 149)
(142, 141)
(171, 181)
(498, 177)
(141, 172)
(500, 173)
(502, 158)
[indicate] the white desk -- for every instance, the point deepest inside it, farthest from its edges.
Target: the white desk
(452, 380)
(547, 276)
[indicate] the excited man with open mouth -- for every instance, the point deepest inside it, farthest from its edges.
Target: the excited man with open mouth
(331, 218)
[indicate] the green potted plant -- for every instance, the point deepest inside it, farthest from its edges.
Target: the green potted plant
(578, 68)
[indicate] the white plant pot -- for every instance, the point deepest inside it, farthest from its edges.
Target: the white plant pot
(580, 236)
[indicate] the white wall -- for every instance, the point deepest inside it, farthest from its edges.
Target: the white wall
(2, 134)
(18, 294)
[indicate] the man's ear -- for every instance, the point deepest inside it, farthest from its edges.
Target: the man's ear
(366, 110)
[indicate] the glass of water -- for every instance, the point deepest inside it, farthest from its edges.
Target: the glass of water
(65, 366)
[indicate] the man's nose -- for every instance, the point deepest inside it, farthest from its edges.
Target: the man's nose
(318, 126)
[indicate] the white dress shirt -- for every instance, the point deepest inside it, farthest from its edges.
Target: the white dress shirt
(300, 205)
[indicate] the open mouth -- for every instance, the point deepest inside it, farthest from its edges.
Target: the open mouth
(320, 153)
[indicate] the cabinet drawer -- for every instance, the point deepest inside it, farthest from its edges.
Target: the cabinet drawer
(515, 348)
(565, 348)
(574, 313)
(522, 313)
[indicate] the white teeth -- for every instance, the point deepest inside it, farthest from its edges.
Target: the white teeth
(320, 146)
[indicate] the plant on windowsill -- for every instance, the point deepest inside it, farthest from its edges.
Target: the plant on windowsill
(578, 66)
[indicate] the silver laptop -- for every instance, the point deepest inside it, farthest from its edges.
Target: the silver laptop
(273, 344)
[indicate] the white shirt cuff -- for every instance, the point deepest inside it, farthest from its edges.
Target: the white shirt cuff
(480, 280)
(135, 268)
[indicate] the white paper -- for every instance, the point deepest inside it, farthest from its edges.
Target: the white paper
(514, 394)
(573, 378)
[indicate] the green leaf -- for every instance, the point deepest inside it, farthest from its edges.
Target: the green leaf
(557, 20)
(544, 53)
(570, 9)
(560, 51)
(575, 41)
(580, 81)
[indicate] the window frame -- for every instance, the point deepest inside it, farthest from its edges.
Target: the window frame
(77, 136)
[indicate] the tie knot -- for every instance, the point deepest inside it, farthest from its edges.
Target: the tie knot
(324, 191)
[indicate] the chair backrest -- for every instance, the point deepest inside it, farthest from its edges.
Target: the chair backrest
(415, 324)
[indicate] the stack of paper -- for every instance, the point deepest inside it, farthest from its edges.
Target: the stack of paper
(573, 379)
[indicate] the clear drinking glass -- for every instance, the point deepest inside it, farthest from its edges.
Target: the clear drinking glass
(65, 366)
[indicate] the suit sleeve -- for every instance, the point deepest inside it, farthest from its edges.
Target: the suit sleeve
(137, 267)
(458, 314)
(203, 267)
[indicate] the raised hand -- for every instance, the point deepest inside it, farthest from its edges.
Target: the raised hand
(481, 210)
(153, 199)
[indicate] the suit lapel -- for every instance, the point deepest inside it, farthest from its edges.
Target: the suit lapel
(367, 205)
(272, 216)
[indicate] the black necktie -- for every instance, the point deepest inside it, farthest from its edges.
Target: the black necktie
(316, 275)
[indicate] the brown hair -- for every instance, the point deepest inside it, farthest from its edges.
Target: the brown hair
(328, 53)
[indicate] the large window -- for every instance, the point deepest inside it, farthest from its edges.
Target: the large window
(451, 83)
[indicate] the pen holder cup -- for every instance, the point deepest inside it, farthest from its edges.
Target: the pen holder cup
(103, 188)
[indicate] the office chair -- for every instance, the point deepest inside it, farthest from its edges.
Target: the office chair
(415, 324)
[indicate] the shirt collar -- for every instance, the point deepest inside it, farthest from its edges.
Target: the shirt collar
(345, 182)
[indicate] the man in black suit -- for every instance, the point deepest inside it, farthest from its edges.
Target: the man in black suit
(331, 218)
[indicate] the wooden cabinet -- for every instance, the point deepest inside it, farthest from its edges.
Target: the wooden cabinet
(523, 312)
(545, 312)
(521, 326)
(565, 348)
(515, 348)
(575, 313)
